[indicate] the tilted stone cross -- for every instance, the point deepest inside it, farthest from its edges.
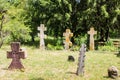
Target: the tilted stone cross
(91, 42)
(16, 54)
(80, 69)
(67, 36)
(42, 36)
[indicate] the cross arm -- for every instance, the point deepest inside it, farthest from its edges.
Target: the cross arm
(38, 28)
(22, 54)
(88, 32)
(64, 34)
(38, 34)
(9, 54)
(95, 32)
(71, 35)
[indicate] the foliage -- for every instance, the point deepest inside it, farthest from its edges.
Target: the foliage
(75, 48)
(17, 31)
(109, 43)
(81, 39)
(54, 43)
(13, 25)
(107, 48)
(52, 47)
(3, 11)
(58, 15)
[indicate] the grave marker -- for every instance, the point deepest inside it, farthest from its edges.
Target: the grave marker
(81, 59)
(16, 54)
(67, 41)
(42, 36)
(91, 42)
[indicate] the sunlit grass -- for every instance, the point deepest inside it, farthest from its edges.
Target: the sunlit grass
(53, 65)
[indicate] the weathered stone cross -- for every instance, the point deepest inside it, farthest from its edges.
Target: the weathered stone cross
(67, 41)
(91, 42)
(80, 69)
(16, 54)
(42, 36)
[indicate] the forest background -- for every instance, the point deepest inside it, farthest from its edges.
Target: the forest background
(19, 20)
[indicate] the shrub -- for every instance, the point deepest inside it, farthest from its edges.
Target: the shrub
(107, 48)
(80, 39)
(75, 48)
(52, 47)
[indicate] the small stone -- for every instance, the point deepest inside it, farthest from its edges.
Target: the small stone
(113, 72)
(71, 58)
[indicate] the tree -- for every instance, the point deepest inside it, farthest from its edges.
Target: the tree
(58, 15)
(103, 15)
(12, 26)
(3, 12)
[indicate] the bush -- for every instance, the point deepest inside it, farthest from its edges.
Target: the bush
(52, 47)
(54, 43)
(81, 39)
(109, 43)
(107, 48)
(17, 31)
(75, 48)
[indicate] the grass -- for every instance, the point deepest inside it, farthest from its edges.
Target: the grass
(53, 65)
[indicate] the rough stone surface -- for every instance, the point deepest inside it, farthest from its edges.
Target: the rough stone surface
(71, 58)
(42, 36)
(113, 72)
(81, 60)
(16, 54)
(67, 41)
(91, 42)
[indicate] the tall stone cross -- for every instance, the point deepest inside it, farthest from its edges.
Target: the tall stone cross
(81, 60)
(42, 36)
(67, 41)
(91, 42)
(16, 54)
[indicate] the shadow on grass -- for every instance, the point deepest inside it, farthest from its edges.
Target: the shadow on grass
(106, 77)
(36, 43)
(70, 73)
(37, 79)
(4, 68)
(118, 54)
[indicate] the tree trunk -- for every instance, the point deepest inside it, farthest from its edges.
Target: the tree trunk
(102, 35)
(33, 40)
(1, 34)
(107, 34)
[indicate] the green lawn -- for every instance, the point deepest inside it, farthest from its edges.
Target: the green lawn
(53, 65)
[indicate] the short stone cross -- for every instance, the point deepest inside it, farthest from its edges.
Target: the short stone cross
(67, 41)
(80, 69)
(16, 54)
(91, 42)
(42, 35)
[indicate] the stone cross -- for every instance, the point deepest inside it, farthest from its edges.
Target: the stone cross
(42, 36)
(16, 54)
(67, 36)
(80, 69)
(91, 42)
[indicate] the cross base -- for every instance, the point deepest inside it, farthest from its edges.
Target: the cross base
(15, 65)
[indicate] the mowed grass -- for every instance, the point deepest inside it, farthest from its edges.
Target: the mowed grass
(53, 65)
